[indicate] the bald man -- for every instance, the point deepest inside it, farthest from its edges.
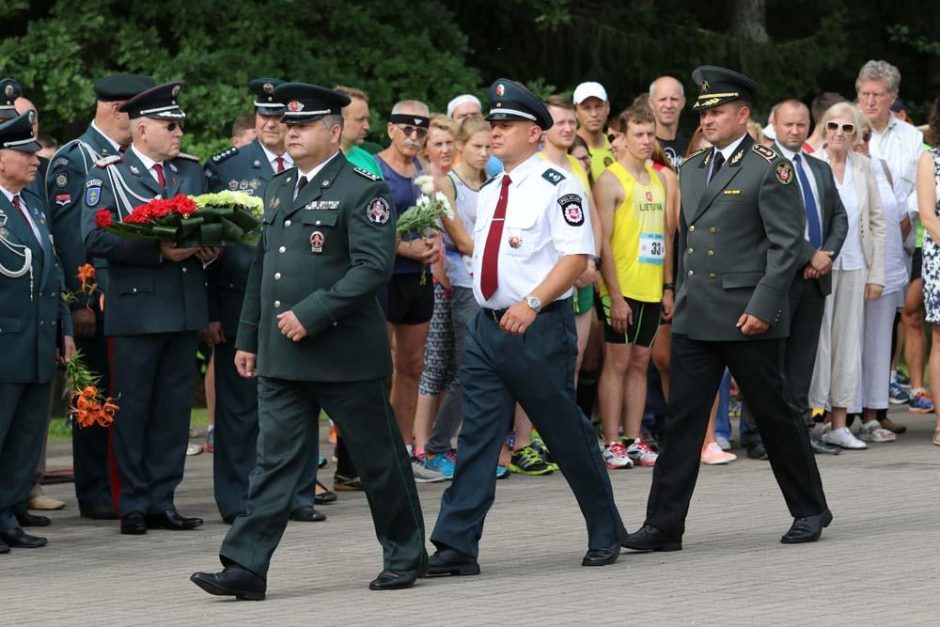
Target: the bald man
(667, 99)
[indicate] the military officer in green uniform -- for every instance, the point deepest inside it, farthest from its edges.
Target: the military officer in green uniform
(313, 332)
(33, 321)
(156, 304)
(107, 135)
(247, 169)
(740, 237)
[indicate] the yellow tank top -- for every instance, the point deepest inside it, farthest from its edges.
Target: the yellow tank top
(638, 242)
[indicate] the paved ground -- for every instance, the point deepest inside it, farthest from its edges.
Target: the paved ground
(877, 563)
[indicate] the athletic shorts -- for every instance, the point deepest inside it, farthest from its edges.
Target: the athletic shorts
(917, 264)
(642, 332)
(409, 302)
(582, 299)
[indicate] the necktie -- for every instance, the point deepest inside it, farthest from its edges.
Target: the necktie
(280, 164)
(158, 168)
(812, 211)
(716, 164)
(19, 207)
(301, 182)
(489, 271)
(122, 148)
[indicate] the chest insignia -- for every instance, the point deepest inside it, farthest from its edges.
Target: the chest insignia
(514, 241)
(254, 184)
(233, 185)
(276, 202)
(316, 242)
(134, 170)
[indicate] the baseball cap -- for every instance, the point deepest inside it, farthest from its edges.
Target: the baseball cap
(590, 89)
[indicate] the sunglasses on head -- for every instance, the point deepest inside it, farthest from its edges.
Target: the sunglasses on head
(846, 127)
(409, 130)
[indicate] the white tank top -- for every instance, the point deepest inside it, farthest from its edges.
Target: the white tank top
(456, 265)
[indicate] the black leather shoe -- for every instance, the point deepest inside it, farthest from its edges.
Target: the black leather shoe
(4, 548)
(307, 514)
(807, 528)
(451, 562)
(756, 450)
(821, 448)
(322, 496)
(104, 513)
(19, 539)
(394, 580)
(233, 581)
(601, 557)
(32, 520)
(133, 524)
(170, 519)
(649, 538)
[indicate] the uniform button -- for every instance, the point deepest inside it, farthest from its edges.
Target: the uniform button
(690, 251)
(282, 249)
(710, 253)
(713, 229)
(184, 269)
(42, 323)
(691, 272)
(133, 290)
(277, 303)
(277, 276)
(712, 275)
(53, 323)
(287, 223)
(692, 229)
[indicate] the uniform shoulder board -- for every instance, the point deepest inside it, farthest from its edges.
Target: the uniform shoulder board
(553, 176)
(225, 154)
(765, 152)
(365, 173)
(106, 161)
(188, 157)
(695, 154)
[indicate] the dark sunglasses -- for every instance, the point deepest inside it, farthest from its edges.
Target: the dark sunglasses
(847, 128)
(172, 126)
(611, 137)
(409, 130)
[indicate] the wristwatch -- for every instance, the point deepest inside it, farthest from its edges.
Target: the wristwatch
(669, 286)
(534, 302)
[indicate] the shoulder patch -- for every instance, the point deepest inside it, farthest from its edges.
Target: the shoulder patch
(365, 173)
(572, 208)
(553, 176)
(784, 172)
(225, 154)
(106, 161)
(378, 211)
(92, 192)
(765, 152)
(188, 157)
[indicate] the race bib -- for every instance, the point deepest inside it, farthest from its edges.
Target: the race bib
(652, 248)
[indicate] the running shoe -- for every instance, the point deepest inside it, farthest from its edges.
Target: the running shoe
(897, 395)
(422, 473)
(528, 461)
(844, 438)
(641, 453)
(902, 379)
(615, 456)
(440, 463)
(921, 402)
(502, 472)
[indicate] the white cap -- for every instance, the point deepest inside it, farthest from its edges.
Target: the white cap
(769, 132)
(587, 90)
(462, 99)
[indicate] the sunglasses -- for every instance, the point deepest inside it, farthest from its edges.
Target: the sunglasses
(172, 126)
(612, 136)
(846, 127)
(409, 130)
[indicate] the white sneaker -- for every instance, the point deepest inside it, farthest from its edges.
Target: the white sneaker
(843, 438)
(723, 443)
(193, 449)
(423, 474)
(615, 456)
(872, 431)
(641, 453)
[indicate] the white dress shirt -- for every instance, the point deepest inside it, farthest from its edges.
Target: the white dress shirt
(25, 210)
(900, 144)
(272, 158)
(312, 173)
(851, 257)
(149, 163)
(727, 152)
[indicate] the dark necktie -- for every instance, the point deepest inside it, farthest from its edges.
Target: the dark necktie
(301, 182)
(490, 266)
(158, 168)
(280, 164)
(122, 148)
(716, 164)
(813, 227)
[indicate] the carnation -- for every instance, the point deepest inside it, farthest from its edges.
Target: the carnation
(103, 218)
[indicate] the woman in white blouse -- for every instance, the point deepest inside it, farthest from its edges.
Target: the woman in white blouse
(858, 274)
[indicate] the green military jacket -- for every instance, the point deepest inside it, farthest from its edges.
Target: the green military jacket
(739, 240)
(326, 256)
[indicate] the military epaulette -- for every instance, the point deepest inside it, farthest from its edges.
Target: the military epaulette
(765, 152)
(225, 154)
(365, 173)
(188, 157)
(106, 161)
(553, 176)
(695, 154)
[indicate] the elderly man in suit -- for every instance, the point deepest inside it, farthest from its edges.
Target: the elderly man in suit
(741, 236)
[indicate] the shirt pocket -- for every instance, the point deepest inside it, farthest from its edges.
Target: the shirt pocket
(520, 233)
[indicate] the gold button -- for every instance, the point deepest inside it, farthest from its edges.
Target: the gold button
(712, 275)
(691, 272)
(277, 303)
(690, 251)
(277, 276)
(282, 249)
(692, 229)
(710, 253)
(287, 222)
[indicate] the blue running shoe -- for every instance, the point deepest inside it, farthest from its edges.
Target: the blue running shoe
(502, 472)
(903, 380)
(440, 462)
(898, 395)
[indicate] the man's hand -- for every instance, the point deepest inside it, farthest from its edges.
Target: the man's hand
(752, 325)
(517, 318)
(245, 364)
(171, 251)
(621, 316)
(205, 255)
(588, 276)
(432, 250)
(212, 334)
(68, 349)
(669, 304)
(290, 326)
(873, 291)
(84, 322)
(809, 272)
(821, 262)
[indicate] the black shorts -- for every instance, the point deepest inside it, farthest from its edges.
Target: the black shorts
(409, 302)
(642, 332)
(917, 264)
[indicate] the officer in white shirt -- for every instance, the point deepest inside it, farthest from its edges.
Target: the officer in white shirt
(532, 240)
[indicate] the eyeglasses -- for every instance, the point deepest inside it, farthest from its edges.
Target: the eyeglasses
(612, 136)
(409, 130)
(172, 126)
(846, 127)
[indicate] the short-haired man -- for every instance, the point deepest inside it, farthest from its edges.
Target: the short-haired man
(667, 100)
(637, 270)
(592, 108)
(356, 128)
(243, 130)
(900, 145)
(107, 135)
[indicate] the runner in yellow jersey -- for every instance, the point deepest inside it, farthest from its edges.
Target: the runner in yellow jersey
(637, 261)
(592, 107)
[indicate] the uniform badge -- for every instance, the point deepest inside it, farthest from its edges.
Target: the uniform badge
(737, 157)
(173, 168)
(93, 192)
(233, 185)
(784, 173)
(254, 184)
(378, 210)
(571, 209)
(276, 202)
(3, 218)
(316, 242)
(61, 162)
(500, 90)
(63, 199)
(134, 170)
(62, 179)
(294, 106)
(243, 185)
(514, 241)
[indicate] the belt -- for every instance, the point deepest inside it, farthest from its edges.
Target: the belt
(497, 314)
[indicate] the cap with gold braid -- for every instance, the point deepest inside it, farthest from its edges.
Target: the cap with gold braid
(718, 85)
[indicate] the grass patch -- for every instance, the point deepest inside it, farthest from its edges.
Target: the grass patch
(59, 430)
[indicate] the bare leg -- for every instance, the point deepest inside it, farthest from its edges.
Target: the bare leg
(634, 397)
(408, 359)
(610, 388)
(425, 413)
(914, 339)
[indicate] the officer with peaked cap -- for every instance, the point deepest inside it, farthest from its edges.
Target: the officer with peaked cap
(533, 239)
(741, 231)
(108, 134)
(33, 321)
(247, 169)
(313, 333)
(155, 306)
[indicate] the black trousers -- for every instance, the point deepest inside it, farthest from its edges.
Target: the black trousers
(90, 445)
(758, 367)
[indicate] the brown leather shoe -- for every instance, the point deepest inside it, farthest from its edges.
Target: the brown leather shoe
(45, 503)
(892, 426)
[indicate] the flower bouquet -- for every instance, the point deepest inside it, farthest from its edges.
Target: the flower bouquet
(204, 220)
(424, 218)
(87, 405)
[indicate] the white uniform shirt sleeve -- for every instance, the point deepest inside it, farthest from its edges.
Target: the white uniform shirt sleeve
(570, 219)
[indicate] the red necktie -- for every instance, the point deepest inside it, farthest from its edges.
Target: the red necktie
(280, 164)
(22, 210)
(122, 148)
(158, 168)
(489, 271)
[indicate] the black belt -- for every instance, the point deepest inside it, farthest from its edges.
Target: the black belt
(497, 314)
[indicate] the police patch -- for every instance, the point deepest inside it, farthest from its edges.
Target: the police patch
(553, 176)
(784, 173)
(62, 179)
(378, 210)
(571, 209)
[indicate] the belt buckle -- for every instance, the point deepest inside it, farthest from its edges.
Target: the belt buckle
(493, 315)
